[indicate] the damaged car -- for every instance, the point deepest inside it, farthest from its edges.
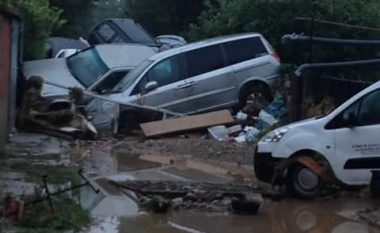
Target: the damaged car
(341, 147)
(214, 74)
(86, 68)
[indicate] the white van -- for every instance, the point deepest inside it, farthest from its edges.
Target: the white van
(345, 142)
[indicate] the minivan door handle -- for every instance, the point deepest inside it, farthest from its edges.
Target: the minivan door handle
(187, 85)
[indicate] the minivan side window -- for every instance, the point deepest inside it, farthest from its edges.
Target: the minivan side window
(204, 60)
(165, 72)
(245, 49)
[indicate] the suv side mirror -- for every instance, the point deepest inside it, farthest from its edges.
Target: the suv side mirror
(150, 86)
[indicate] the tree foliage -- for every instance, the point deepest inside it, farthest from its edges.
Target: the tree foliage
(39, 20)
(165, 16)
(109, 9)
(77, 14)
(274, 18)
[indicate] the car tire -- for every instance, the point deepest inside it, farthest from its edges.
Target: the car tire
(301, 182)
(255, 89)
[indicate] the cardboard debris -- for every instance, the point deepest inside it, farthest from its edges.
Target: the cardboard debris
(187, 123)
(222, 133)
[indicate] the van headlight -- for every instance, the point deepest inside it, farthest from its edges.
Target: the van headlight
(275, 135)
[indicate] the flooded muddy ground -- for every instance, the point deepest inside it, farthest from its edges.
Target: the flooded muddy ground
(116, 210)
(160, 161)
(290, 216)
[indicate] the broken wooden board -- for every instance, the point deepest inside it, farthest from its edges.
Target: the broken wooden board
(186, 123)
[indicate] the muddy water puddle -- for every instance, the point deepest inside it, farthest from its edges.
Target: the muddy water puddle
(289, 216)
(132, 162)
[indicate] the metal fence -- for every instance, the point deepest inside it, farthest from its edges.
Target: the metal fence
(336, 81)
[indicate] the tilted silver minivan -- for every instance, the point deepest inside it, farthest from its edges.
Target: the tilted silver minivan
(199, 77)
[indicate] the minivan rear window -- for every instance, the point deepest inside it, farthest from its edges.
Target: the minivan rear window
(204, 60)
(245, 49)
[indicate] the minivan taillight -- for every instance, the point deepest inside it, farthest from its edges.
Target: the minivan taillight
(276, 56)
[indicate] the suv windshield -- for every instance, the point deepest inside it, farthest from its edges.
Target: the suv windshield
(87, 66)
(131, 77)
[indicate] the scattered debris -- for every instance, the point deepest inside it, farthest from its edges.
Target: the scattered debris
(255, 120)
(249, 204)
(35, 117)
(371, 216)
(190, 195)
(158, 204)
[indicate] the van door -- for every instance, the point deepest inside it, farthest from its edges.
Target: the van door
(357, 139)
(211, 84)
(170, 92)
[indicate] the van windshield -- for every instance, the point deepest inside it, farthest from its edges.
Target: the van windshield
(87, 66)
(131, 77)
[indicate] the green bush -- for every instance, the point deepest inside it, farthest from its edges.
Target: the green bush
(67, 216)
(167, 17)
(274, 18)
(39, 20)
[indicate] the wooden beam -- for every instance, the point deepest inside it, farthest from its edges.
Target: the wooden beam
(187, 123)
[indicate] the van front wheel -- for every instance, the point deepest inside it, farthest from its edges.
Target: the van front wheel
(303, 182)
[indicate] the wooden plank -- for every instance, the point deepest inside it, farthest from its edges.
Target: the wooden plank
(186, 123)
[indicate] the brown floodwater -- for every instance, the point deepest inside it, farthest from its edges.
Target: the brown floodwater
(288, 216)
(116, 213)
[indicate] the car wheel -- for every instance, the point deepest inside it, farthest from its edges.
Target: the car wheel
(258, 92)
(303, 182)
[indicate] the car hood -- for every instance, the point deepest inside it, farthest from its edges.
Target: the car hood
(305, 123)
(53, 70)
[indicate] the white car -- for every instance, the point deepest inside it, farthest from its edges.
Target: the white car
(87, 67)
(345, 142)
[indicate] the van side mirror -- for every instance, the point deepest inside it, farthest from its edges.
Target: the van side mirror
(150, 86)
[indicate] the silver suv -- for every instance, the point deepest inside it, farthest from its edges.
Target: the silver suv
(199, 77)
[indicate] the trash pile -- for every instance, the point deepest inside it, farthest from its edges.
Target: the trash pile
(252, 121)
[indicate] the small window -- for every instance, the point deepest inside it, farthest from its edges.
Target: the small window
(118, 39)
(110, 81)
(369, 112)
(204, 60)
(245, 49)
(106, 32)
(365, 111)
(164, 73)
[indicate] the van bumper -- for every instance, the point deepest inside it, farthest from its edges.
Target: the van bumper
(264, 165)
